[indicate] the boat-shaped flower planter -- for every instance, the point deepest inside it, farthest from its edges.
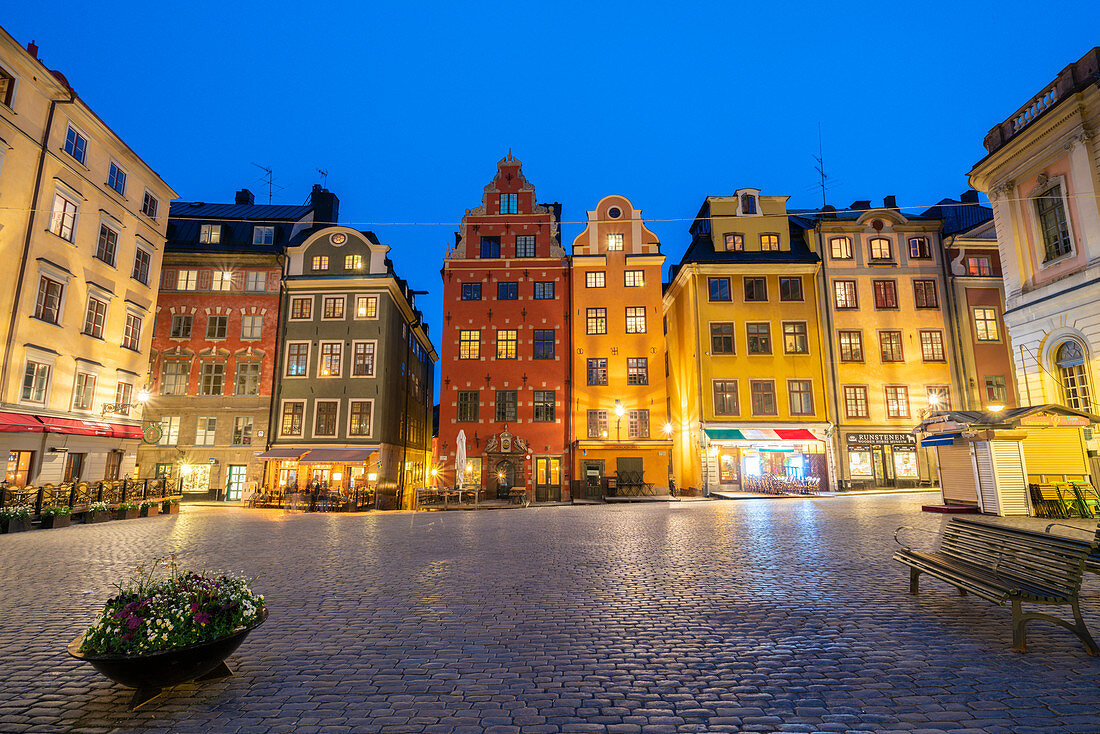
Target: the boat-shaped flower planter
(151, 673)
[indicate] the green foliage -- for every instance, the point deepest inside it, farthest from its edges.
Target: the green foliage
(56, 511)
(15, 512)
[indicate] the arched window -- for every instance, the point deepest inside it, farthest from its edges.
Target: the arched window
(1069, 358)
(748, 204)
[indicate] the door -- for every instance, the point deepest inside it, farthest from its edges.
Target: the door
(506, 479)
(234, 482)
(74, 467)
(548, 479)
(883, 461)
(593, 480)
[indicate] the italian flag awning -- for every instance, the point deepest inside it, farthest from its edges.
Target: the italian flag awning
(760, 434)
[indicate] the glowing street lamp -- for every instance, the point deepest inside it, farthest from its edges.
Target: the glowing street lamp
(619, 410)
(668, 429)
(996, 408)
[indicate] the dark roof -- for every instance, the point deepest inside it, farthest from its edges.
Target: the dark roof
(957, 216)
(253, 212)
(1009, 417)
(702, 249)
(185, 220)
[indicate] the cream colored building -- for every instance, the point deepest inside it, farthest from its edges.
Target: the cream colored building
(82, 229)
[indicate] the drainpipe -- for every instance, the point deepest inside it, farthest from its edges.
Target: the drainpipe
(825, 302)
(704, 445)
(955, 326)
(273, 402)
(568, 445)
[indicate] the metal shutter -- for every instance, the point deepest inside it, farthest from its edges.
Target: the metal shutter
(987, 481)
(957, 475)
(1008, 463)
(1055, 451)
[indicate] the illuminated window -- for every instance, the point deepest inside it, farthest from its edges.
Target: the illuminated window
(734, 241)
(187, 280)
(851, 345)
(979, 266)
(293, 412)
(63, 219)
(333, 307)
(206, 429)
(939, 397)
(719, 289)
(362, 359)
(897, 401)
(725, 397)
(637, 423)
(721, 338)
(366, 307)
(763, 397)
(996, 389)
(890, 346)
(595, 279)
(255, 280)
(210, 234)
(301, 308)
(986, 328)
(844, 293)
(36, 378)
(931, 345)
(840, 248)
(597, 424)
(597, 371)
(881, 249)
(221, 281)
(506, 343)
(634, 278)
(615, 241)
(795, 338)
(252, 326)
(324, 423)
(760, 338)
(769, 242)
(637, 371)
(855, 401)
(469, 344)
(925, 293)
(169, 430)
(247, 381)
(174, 379)
(297, 360)
(525, 245)
(635, 319)
(264, 235)
(596, 320)
(242, 430)
(360, 417)
(320, 262)
(332, 354)
(509, 203)
(353, 262)
(1069, 358)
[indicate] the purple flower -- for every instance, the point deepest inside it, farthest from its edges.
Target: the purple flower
(202, 618)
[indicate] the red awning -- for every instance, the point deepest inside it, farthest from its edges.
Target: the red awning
(78, 427)
(129, 432)
(19, 423)
(795, 434)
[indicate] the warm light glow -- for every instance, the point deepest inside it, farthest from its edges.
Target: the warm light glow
(934, 401)
(996, 408)
(142, 395)
(668, 429)
(619, 409)
(372, 477)
(500, 475)
(337, 476)
(435, 471)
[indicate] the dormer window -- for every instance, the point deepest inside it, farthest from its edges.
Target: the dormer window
(320, 262)
(735, 241)
(210, 234)
(263, 235)
(748, 204)
(509, 203)
(880, 249)
(769, 242)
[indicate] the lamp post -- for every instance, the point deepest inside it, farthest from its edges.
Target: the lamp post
(619, 410)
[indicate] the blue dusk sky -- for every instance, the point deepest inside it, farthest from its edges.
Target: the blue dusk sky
(409, 107)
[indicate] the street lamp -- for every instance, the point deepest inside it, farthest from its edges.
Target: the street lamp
(995, 408)
(619, 410)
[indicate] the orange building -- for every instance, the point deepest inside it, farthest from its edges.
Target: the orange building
(620, 403)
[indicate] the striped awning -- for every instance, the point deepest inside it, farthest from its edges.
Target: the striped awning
(760, 434)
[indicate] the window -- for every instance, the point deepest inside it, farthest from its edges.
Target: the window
(525, 245)
(597, 424)
(886, 293)
(637, 423)
(324, 423)
(595, 279)
(221, 280)
(615, 241)
(543, 344)
(507, 291)
(635, 319)
(248, 377)
(795, 338)
(840, 248)
(506, 343)
(366, 307)
(719, 289)
(919, 248)
(986, 328)
(469, 344)
(76, 145)
(996, 389)
(210, 234)
(301, 308)
(353, 262)
(897, 401)
(506, 406)
(1069, 358)
(212, 378)
(844, 293)
(760, 338)
(634, 278)
(142, 260)
(116, 178)
(637, 370)
(36, 378)
(544, 406)
(95, 317)
(252, 326)
(790, 289)
(131, 332)
(490, 247)
(725, 397)
(332, 356)
(851, 345)
(734, 241)
(769, 242)
(756, 289)
(881, 249)
(1052, 223)
(939, 397)
(467, 406)
(979, 266)
(596, 320)
(83, 391)
(890, 346)
(297, 360)
(175, 376)
(471, 291)
(169, 430)
(721, 338)
(205, 431)
(855, 401)
(63, 219)
(264, 235)
(544, 290)
(319, 262)
(509, 203)
(360, 417)
(925, 293)
(255, 280)
(931, 345)
(242, 430)
(124, 396)
(291, 424)
(107, 245)
(597, 371)
(217, 327)
(7, 90)
(149, 205)
(763, 397)
(362, 359)
(748, 204)
(801, 394)
(333, 307)
(187, 280)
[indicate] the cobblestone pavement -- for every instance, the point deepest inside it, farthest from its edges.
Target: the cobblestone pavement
(751, 615)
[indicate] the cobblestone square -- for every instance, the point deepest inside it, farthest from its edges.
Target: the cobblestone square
(752, 615)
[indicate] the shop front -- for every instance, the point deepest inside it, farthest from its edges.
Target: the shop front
(754, 459)
(883, 459)
(329, 477)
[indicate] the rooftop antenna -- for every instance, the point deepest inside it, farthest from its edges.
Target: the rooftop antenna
(324, 177)
(269, 179)
(820, 168)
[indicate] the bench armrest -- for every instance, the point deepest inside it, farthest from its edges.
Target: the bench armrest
(909, 527)
(1071, 527)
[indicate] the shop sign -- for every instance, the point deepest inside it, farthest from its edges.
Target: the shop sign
(1045, 419)
(887, 439)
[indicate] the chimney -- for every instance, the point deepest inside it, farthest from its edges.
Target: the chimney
(862, 204)
(970, 196)
(32, 49)
(326, 205)
(890, 202)
(244, 196)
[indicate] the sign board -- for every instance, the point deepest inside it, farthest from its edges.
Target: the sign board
(889, 439)
(1047, 419)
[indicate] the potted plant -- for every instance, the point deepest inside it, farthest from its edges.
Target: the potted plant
(149, 508)
(97, 512)
(128, 510)
(168, 625)
(15, 518)
(170, 506)
(56, 517)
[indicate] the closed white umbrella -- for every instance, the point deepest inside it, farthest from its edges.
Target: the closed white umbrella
(460, 458)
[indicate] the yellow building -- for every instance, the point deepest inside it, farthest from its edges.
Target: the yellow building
(745, 352)
(82, 229)
(620, 408)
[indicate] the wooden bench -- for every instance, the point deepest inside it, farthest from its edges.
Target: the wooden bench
(1092, 563)
(1002, 564)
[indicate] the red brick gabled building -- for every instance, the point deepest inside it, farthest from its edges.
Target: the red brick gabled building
(506, 344)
